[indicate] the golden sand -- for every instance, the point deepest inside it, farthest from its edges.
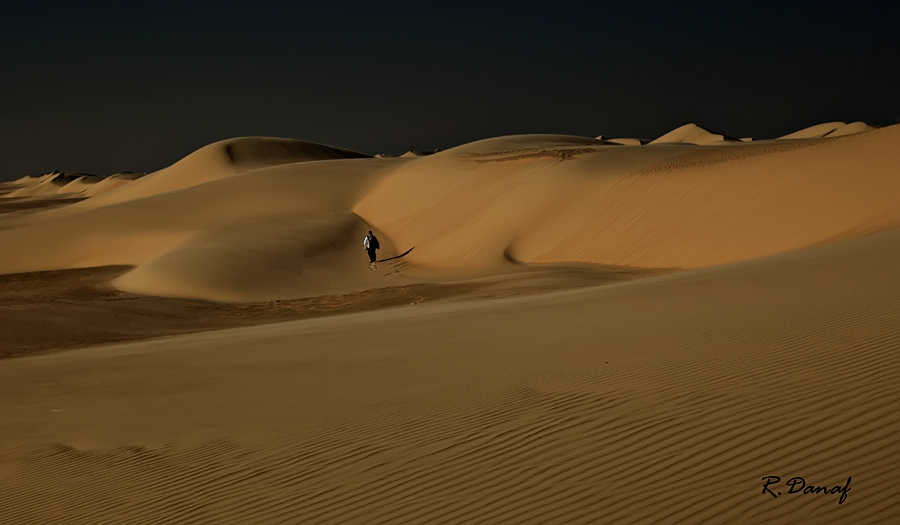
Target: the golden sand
(585, 331)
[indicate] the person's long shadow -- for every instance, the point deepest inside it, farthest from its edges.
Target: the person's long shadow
(396, 256)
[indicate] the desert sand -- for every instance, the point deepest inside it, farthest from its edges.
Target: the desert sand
(561, 330)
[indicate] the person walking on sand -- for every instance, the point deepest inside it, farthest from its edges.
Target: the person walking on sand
(371, 244)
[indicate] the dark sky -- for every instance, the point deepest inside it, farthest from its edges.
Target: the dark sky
(101, 87)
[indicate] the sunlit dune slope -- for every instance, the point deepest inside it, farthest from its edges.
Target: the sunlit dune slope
(553, 199)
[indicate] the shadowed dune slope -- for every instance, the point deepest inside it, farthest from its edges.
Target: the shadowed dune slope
(664, 400)
(544, 199)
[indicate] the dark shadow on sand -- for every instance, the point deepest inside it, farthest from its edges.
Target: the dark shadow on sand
(396, 256)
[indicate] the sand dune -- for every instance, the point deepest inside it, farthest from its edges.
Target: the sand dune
(849, 129)
(81, 184)
(622, 141)
(663, 400)
(814, 132)
(628, 141)
(66, 185)
(292, 229)
(219, 160)
(736, 318)
(412, 153)
(53, 183)
(109, 183)
(693, 134)
(274, 232)
(560, 200)
(829, 129)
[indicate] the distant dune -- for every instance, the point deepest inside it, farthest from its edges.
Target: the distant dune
(829, 129)
(110, 183)
(53, 183)
(628, 141)
(692, 134)
(63, 185)
(419, 153)
(622, 141)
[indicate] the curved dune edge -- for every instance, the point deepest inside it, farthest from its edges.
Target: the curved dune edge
(665, 400)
